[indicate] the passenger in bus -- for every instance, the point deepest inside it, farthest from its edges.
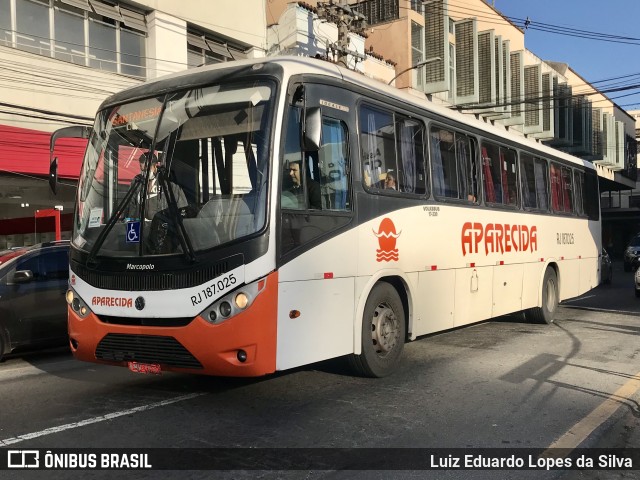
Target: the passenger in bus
(390, 181)
(297, 188)
(156, 198)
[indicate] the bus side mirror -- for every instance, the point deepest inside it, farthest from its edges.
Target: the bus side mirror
(53, 176)
(311, 136)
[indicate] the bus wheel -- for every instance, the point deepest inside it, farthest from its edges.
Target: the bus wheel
(550, 297)
(383, 333)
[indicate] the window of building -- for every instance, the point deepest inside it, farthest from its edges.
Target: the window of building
(417, 54)
(69, 33)
(103, 53)
(32, 27)
(83, 32)
(203, 49)
(5, 23)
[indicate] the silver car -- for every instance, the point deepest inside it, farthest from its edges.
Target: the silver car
(632, 254)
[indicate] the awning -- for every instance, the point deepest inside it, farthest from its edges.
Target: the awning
(26, 151)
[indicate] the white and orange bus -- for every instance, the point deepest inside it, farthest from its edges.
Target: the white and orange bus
(288, 211)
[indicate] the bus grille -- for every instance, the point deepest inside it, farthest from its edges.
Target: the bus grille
(151, 281)
(146, 322)
(117, 347)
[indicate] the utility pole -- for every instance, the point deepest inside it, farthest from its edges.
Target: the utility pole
(348, 21)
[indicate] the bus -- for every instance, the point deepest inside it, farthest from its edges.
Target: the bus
(256, 216)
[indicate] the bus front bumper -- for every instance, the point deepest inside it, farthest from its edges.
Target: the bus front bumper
(242, 346)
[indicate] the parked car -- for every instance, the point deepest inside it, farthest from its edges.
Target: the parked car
(606, 268)
(33, 309)
(632, 254)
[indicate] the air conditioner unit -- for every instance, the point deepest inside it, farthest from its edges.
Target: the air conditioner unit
(609, 148)
(582, 112)
(501, 107)
(486, 68)
(547, 106)
(596, 136)
(532, 95)
(562, 116)
(466, 64)
(516, 79)
(619, 153)
(436, 44)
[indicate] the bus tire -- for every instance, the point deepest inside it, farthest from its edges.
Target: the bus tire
(546, 312)
(383, 333)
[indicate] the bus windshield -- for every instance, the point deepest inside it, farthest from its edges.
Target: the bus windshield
(186, 171)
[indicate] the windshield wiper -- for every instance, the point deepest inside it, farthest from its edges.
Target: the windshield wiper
(175, 217)
(137, 181)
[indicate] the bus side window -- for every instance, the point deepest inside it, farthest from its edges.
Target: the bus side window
(411, 176)
(557, 199)
(443, 160)
(454, 167)
(579, 188)
(377, 144)
(499, 169)
(333, 166)
(566, 184)
(509, 183)
(292, 159)
(534, 182)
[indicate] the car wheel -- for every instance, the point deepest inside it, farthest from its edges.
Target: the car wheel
(1, 347)
(383, 333)
(549, 300)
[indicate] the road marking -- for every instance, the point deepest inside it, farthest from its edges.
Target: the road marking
(594, 309)
(102, 418)
(578, 299)
(581, 430)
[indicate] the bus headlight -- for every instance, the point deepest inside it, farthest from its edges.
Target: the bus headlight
(76, 303)
(233, 303)
(241, 300)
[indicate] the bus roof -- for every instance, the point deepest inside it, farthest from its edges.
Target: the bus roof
(285, 66)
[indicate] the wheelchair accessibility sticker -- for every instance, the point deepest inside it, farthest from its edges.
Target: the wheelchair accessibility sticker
(133, 232)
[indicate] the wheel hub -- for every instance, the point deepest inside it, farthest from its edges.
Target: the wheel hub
(385, 329)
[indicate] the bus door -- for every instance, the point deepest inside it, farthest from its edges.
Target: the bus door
(316, 242)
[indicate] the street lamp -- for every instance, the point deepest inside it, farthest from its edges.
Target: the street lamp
(417, 65)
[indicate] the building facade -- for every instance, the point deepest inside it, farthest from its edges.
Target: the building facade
(62, 58)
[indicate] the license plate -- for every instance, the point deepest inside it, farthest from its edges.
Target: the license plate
(137, 367)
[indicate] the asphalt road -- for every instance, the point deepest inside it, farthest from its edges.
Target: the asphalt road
(502, 384)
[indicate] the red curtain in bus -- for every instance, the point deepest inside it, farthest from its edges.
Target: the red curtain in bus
(488, 179)
(555, 187)
(505, 182)
(565, 185)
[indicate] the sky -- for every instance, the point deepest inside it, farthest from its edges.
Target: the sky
(594, 60)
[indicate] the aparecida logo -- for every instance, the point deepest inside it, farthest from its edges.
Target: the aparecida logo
(23, 459)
